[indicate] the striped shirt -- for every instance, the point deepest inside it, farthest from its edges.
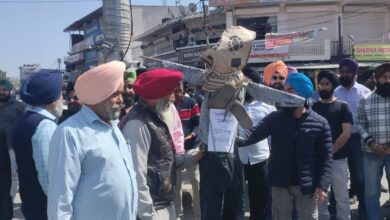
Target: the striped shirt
(91, 173)
(373, 120)
(189, 115)
(40, 144)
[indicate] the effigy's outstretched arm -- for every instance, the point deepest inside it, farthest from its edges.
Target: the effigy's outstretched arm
(260, 92)
(274, 97)
(192, 75)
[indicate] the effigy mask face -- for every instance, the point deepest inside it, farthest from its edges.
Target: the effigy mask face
(231, 53)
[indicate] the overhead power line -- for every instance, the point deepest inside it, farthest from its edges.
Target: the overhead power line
(47, 2)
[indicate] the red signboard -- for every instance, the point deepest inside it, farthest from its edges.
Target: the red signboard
(273, 40)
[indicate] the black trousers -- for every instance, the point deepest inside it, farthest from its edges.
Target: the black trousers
(221, 188)
(6, 209)
(355, 164)
(257, 177)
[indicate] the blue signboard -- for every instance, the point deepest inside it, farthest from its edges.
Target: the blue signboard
(92, 28)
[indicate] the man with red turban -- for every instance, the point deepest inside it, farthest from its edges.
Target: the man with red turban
(147, 128)
(275, 74)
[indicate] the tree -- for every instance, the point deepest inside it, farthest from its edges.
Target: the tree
(3, 74)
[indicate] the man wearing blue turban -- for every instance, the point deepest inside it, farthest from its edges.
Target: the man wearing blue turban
(32, 133)
(301, 154)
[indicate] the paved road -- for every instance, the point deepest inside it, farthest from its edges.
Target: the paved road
(188, 211)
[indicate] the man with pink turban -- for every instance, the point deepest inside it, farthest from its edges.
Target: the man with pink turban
(90, 164)
(275, 75)
(147, 127)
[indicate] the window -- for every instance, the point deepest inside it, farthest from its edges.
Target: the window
(261, 25)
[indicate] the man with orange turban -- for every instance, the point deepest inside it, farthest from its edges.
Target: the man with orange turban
(90, 164)
(275, 74)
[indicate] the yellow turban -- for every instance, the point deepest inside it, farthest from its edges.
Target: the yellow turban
(99, 83)
(278, 66)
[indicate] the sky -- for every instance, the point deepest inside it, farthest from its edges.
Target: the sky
(32, 30)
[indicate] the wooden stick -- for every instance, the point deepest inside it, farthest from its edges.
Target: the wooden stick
(151, 58)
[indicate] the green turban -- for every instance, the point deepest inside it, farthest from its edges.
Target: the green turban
(6, 84)
(130, 75)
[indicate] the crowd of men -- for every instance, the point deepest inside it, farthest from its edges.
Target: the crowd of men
(125, 142)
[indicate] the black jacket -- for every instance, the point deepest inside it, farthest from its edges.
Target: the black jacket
(306, 140)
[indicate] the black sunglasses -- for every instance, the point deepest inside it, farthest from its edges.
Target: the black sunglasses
(278, 77)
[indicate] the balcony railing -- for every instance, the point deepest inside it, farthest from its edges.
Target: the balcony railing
(294, 52)
(259, 54)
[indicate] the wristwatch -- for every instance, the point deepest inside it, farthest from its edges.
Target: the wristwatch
(372, 145)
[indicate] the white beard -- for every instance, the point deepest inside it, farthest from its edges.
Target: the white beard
(167, 118)
(163, 110)
(58, 109)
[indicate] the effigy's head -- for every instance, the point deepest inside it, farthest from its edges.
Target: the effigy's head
(232, 51)
(227, 58)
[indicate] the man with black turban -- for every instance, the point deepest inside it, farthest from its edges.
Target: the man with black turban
(368, 79)
(339, 117)
(32, 133)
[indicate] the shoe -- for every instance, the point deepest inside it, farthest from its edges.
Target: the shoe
(387, 204)
(353, 200)
(384, 189)
(238, 110)
(225, 99)
(362, 216)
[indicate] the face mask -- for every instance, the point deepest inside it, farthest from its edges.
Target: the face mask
(383, 89)
(278, 86)
(324, 94)
(346, 81)
(4, 98)
(289, 110)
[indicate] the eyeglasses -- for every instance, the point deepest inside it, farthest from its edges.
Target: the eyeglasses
(278, 77)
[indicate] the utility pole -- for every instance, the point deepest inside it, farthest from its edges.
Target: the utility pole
(59, 65)
(340, 39)
(178, 3)
(205, 24)
(351, 45)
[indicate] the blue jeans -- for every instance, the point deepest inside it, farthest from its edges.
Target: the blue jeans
(373, 170)
(340, 188)
(355, 163)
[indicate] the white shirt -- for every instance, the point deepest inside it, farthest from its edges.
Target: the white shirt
(258, 152)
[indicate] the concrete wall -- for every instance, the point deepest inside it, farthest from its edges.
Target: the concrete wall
(147, 17)
(367, 22)
(367, 26)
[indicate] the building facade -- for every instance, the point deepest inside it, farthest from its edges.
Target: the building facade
(27, 70)
(183, 39)
(91, 38)
(349, 28)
